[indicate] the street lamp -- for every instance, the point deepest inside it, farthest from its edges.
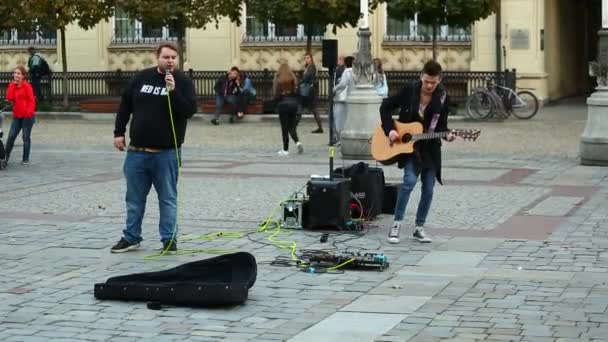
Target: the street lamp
(594, 141)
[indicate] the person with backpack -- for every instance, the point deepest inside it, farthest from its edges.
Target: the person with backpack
(38, 68)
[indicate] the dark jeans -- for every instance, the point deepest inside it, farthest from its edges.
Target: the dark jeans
(309, 104)
(16, 126)
(236, 103)
(36, 85)
(288, 110)
(142, 170)
(427, 178)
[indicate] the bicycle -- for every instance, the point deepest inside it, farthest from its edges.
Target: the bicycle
(496, 99)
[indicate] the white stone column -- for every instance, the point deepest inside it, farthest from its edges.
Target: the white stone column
(363, 103)
(594, 141)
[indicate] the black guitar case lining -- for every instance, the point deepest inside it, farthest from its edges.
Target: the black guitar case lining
(222, 280)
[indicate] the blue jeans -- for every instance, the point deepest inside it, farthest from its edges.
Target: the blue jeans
(142, 170)
(427, 177)
(16, 126)
(235, 103)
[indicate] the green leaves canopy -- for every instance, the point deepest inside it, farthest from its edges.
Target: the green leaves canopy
(182, 13)
(318, 13)
(456, 13)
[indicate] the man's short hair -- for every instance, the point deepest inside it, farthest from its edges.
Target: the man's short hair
(235, 69)
(167, 45)
(31, 48)
(432, 68)
(348, 61)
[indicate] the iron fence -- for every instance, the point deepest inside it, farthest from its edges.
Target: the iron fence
(108, 84)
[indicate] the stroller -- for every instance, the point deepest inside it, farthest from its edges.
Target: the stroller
(3, 162)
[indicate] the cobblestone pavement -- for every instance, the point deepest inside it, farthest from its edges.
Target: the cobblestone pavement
(520, 250)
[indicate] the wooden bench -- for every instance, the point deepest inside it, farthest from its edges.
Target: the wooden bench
(101, 105)
(254, 107)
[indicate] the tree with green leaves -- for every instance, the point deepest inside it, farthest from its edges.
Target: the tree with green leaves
(456, 13)
(181, 14)
(54, 15)
(310, 13)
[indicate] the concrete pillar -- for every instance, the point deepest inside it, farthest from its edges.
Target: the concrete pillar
(594, 141)
(363, 102)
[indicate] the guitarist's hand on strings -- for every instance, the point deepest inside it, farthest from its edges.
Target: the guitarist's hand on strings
(392, 136)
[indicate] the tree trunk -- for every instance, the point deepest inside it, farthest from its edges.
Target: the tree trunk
(64, 64)
(181, 47)
(308, 29)
(435, 41)
(181, 44)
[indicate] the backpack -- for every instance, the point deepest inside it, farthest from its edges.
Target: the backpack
(45, 69)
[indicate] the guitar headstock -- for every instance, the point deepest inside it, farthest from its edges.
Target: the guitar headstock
(467, 134)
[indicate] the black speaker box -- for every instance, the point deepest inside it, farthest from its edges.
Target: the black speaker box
(328, 203)
(330, 52)
(367, 185)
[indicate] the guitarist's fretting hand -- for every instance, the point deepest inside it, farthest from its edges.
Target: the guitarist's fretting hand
(451, 136)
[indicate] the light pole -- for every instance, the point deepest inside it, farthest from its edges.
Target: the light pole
(594, 141)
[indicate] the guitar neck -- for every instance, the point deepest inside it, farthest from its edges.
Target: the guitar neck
(427, 136)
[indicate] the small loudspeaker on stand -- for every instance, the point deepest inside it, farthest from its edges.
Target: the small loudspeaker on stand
(328, 205)
(330, 52)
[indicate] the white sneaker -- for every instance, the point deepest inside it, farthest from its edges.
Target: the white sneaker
(393, 234)
(283, 153)
(300, 147)
(421, 236)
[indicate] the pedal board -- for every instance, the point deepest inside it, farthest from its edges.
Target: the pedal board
(367, 260)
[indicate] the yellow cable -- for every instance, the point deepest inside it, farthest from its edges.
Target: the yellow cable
(342, 264)
(179, 170)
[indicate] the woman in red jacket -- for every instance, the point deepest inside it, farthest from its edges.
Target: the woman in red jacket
(20, 92)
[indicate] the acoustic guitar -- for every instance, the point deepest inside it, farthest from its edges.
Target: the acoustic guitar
(387, 152)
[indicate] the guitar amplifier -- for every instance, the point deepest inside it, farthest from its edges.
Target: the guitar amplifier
(367, 186)
(328, 203)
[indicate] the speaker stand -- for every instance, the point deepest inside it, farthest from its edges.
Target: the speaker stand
(332, 138)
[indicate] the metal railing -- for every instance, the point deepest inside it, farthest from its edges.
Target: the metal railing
(457, 38)
(141, 34)
(108, 84)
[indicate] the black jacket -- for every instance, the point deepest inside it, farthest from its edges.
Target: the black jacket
(145, 104)
(224, 86)
(428, 152)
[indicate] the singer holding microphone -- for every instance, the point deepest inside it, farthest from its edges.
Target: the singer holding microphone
(152, 154)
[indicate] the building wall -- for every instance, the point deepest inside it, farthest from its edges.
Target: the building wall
(540, 64)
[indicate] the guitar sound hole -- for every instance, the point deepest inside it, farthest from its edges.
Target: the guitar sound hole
(406, 138)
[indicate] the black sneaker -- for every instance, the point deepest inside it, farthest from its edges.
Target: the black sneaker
(124, 246)
(215, 121)
(170, 246)
(317, 131)
(393, 234)
(421, 236)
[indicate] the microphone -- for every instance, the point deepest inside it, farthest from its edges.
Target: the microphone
(167, 70)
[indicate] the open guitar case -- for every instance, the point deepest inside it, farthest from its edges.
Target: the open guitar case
(222, 280)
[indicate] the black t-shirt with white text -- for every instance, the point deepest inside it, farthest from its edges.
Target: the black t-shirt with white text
(145, 104)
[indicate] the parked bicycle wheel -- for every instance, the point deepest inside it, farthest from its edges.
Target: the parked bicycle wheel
(480, 105)
(525, 105)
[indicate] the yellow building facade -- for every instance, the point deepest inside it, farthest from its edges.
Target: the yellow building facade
(549, 42)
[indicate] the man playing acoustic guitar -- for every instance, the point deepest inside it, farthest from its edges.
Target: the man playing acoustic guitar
(425, 101)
